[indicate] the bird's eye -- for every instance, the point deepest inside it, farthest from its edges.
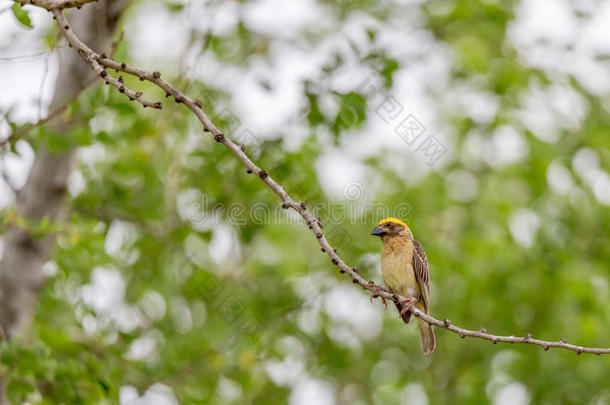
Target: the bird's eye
(388, 225)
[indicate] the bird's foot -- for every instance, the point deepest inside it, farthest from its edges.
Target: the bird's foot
(375, 289)
(406, 304)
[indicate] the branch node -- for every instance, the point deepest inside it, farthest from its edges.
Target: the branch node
(304, 205)
(563, 340)
(354, 281)
(219, 138)
(156, 74)
(447, 322)
(482, 330)
(263, 174)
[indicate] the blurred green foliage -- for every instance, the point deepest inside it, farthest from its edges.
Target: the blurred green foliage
(214, 320)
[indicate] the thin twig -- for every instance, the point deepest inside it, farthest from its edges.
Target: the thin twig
(18, 133)
(42, 83)
(288, 202)
(18, 58)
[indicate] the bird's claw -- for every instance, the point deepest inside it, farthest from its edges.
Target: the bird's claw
(407, 303)
(375, 294)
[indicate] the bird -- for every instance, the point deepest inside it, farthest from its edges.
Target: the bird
(404, 269)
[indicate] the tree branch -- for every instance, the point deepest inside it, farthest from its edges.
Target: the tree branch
(55, 4)
(288, 202)
(93, 58)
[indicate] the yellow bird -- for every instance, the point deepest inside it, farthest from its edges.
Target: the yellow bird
(404, 269)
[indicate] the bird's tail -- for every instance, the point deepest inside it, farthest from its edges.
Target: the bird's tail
(428, 342)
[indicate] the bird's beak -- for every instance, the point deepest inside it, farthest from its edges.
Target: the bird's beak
(378, 231)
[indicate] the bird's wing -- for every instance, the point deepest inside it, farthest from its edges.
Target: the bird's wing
(422, 275)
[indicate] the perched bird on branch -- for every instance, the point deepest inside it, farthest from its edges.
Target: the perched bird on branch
(404, 269)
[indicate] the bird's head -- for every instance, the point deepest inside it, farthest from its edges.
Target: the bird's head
(391, 227)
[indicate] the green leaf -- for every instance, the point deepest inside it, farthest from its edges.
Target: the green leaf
(174, 7)
(44, 224)
(21, 15)
(390, 66)
(18, 390)
(352, 112)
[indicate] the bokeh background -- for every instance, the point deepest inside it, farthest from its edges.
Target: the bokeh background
(175, 278)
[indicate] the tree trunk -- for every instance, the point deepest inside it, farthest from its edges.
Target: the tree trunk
(43, 194)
